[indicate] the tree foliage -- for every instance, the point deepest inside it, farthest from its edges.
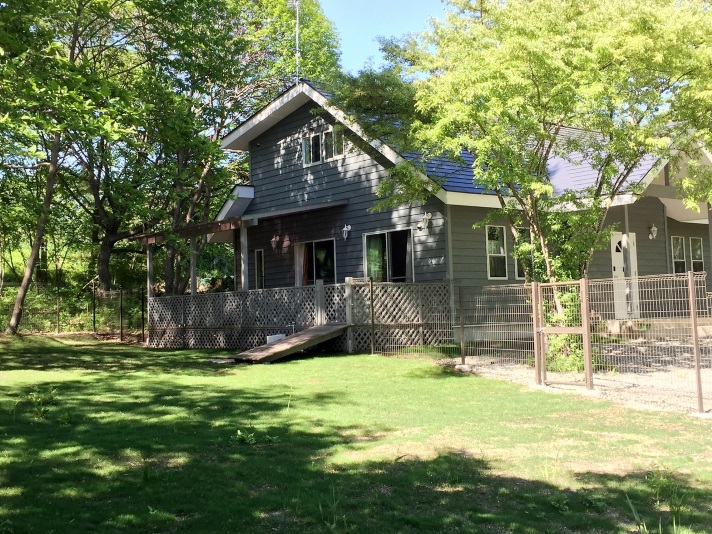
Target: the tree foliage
(506, 80)
(117, 108)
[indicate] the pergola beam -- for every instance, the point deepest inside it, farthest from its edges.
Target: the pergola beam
(212, 227)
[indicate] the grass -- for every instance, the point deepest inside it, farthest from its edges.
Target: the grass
(113, 438)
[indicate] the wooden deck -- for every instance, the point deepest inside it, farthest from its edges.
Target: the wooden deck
(291, 344)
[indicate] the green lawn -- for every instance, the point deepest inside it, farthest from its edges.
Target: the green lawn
(111, 438)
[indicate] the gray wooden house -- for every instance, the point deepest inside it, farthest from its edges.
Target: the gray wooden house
(305, 213)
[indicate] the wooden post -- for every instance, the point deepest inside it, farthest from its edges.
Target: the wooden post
(349, 303)
(149, 271)
(149, 287)
(537, 325)
(320, 306)
(143, 316)
(373, 317)
(421, 325)
(695, 339)
(462, 326)
(586, 332)
(193, 266)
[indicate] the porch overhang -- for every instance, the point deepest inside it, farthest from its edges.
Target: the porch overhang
(676, 209)
(252, 219)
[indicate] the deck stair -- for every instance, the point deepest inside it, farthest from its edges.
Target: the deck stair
(291, 344)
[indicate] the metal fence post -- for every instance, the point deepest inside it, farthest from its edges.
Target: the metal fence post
(542, 334)
(586, 333)
(462, 325)
(93, 306)
(537, 340)
(121, 313)
(58, 315)
(695, 339)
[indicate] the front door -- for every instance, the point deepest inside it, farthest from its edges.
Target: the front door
(625, 278)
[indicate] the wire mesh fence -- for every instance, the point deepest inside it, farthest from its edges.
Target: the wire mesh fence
(65, 310)
(657, 344)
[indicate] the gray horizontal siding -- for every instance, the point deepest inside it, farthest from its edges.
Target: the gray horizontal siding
(469, 248)
(282, 182)
(652, 254)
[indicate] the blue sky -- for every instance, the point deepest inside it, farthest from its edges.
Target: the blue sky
(360, 22)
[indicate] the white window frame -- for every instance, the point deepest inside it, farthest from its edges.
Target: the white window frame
(298, 283)
(306, 147)
(516, 263)
(503, 255)
(702, 252)
(333, 133)
(259, 255)
(672, 253)
(412, 251)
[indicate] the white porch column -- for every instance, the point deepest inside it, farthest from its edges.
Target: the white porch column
(235, 258)
(244, 258)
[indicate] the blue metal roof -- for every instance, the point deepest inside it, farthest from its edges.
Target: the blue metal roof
(573, 173)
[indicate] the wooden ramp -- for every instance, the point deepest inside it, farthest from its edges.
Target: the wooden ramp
(291, 344)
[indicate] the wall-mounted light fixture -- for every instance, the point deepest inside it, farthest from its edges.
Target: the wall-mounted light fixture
(653, 232)
(345, 231)
(423, 225)
(274, 242)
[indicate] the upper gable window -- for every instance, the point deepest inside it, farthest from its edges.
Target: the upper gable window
(311, 149)
(334, 143)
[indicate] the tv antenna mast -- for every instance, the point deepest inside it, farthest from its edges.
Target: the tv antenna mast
(294, 4)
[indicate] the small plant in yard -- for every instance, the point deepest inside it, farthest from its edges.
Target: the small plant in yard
(11, 408)
(331, 512)
(244, 436)
(249, 436)
(147, 471)
(560, 502)
(594, 502)
(41, 400)
(6, 527)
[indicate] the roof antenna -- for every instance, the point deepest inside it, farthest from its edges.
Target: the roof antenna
(294, 4)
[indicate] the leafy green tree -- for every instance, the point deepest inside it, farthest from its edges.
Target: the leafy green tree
(47, 93)
(504, 80)
(258, 39)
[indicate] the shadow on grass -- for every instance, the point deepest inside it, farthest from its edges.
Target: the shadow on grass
(65, 353)
(135, 456)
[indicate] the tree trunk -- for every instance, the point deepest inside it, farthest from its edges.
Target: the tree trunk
(39, 237)
(102, 264)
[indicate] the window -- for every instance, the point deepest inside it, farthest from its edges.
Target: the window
(334, 143)
(388, 256)
(696, 257)
(311, 149)
(315, 261)
(678, 254)
(522, 264)
(259, 269)
(496, 253)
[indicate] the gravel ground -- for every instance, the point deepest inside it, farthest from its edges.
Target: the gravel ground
(669, 387)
